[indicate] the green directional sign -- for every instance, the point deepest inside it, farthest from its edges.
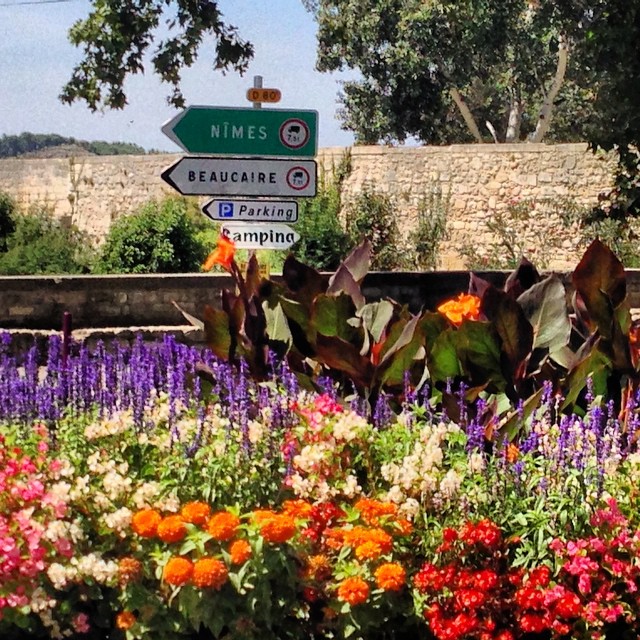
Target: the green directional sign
(245, 131)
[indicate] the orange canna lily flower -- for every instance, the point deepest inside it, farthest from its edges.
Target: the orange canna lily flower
(223, 254)
(463, 307)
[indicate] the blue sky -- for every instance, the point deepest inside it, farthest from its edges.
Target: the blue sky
(36, 59)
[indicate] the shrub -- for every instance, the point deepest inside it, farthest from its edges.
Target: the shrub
(323, 242)
(160, 238)
(372, 216)
(7, 223)
(433, 210)
(40, 245)
(518, 232)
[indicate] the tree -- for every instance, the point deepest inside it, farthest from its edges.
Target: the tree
(503, 66)
(118, 33)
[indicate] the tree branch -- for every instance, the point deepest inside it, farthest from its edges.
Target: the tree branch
(546, 112)
(466, 113)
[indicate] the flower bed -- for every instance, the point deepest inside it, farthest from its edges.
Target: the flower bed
(283, 513)
(160, 491)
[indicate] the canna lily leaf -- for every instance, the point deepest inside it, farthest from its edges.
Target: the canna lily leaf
(376, 317)
(545, 307)
(216, 331)
(599, 280)
(330, 315)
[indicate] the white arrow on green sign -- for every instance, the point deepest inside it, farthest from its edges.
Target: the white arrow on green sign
(260, 236)
(245, 131)
(203, 176)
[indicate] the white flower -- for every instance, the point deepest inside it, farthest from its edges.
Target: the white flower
(145, 494)
(476, 462)
(450, 484)
(118, 520)
(351, 486)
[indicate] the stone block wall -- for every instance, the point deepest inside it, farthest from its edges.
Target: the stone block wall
(478, 182)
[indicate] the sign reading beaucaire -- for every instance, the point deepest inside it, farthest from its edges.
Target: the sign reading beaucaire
(199, 175)
(245, 131)
(251, 210)
(260, 236)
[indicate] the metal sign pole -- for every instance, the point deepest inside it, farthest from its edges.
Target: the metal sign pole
(257, 84)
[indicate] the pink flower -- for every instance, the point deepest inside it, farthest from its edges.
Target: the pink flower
(584, 583)
(81, 623)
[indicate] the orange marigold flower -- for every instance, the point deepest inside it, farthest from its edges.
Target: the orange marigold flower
(172, 529)
(353, 590)
(262, 515)
(125, 620)
(334, 538)
(240, 551)
(209, 573)
(372, 510)
(223, 254)
(178, 571)
(404, 526)
(195, 512)
(145, 522)
(463, 307)
(318, 568)
(297, 508)
(368, 550)
(390, 576)
(129, 570)
(359, 535)
(223, 525)
(278, 529)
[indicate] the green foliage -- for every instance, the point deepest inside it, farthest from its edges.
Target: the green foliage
(16, 145)
(500, 56)
(517, 233)
(431, 229)
(323, 242)
(7, 222)
(115, 40)
(160, 238)
(372, 215)
(41, 245)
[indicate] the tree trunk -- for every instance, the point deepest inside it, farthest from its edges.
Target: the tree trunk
(515, 120)
(544, 119)
(466, 113)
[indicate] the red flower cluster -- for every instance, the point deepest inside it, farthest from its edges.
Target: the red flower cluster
(477, 595)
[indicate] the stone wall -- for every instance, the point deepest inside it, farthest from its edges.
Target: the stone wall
(478, 183)
(39, 302)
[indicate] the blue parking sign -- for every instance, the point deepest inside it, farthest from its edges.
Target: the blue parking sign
(225, 209)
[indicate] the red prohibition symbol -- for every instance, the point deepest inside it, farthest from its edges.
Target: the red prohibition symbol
(294, 133)
(298, 178)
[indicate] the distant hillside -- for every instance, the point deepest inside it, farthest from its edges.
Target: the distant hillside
(52, 145)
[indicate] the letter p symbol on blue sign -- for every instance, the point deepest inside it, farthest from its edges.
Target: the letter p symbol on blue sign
(225, 209)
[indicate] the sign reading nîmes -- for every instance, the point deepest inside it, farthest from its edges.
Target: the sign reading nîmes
(245, 131)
